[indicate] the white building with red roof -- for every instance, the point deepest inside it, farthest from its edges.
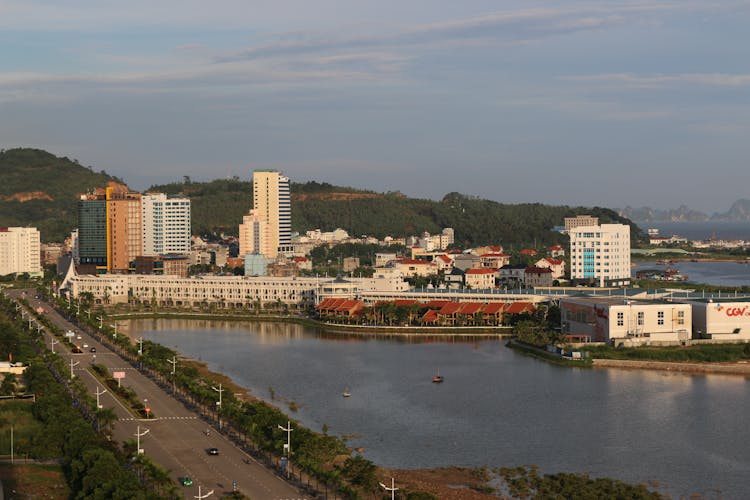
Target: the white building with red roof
(556, 265)
(480, 279)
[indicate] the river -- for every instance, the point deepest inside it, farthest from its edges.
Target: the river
(686, 433)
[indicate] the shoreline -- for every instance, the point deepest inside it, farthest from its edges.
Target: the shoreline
(738, 368)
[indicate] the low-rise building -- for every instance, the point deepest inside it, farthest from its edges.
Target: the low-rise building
(415, 267)
(538, 276)
(557, 266)
(721, 319)
(627, 321)
(480, 279)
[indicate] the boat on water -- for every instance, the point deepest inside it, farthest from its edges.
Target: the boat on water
(346, 393)
(437, 379)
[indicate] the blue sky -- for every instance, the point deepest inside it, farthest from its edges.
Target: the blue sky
(564, 102)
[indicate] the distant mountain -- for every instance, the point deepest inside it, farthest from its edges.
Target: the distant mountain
(39, 189)
(738, 212)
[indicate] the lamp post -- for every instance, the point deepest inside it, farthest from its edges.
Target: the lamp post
(101, 322)
(140, 346)
(138, 435)
(71, 368)
(97, 397)
(288, 445)
(203, 496)
(392, 489)
(218, 403)
(173, 362)
(52, 345)
(114, 331)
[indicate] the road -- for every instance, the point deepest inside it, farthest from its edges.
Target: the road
(177, 437)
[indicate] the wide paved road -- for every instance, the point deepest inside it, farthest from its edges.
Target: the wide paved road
(176, 438)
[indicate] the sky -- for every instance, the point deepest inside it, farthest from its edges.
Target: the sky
(607, 103)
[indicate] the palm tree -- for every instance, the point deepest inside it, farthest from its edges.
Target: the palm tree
(105, 419)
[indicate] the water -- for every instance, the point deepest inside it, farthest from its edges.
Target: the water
(701, 230)
(495, 408)
(730, 274)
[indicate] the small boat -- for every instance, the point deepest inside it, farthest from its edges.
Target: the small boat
(437, 379)
(346, 394)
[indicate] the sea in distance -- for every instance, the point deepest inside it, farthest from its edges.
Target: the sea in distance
(701, 230)
(681, 433)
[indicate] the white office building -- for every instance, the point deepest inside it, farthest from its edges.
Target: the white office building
(166, 224)
(20, 251)
(600, 254)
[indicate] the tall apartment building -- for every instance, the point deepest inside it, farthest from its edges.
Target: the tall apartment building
(166, 224)
(600, 254)
(20, 251)
(272, 204)
(123, 227)
(92, 231)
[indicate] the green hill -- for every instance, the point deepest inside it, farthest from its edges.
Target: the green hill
(219, 206)
(39, 189)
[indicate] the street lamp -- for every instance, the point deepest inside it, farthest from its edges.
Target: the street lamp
(52, 345)
(97, 397)
(71, 368)
(173, 362)
(140, 346)
(392, 489)
(114, 331)
(138, 435)
(203, 496)
(288, 445)
(101, 322)
(218, 403)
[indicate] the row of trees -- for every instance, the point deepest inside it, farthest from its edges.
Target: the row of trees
(66, 417)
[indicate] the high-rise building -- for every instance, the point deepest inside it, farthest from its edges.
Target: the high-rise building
(20, 251)
(166, 224)
(123, 227)
(116, 225)
(92, 231)
(600, 254)
(272, 204)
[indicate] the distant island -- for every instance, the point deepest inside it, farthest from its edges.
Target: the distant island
(738, 212)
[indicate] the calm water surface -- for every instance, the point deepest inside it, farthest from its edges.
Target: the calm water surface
(495, 408)
(710, 273)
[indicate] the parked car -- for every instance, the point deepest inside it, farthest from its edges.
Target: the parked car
(213, 451)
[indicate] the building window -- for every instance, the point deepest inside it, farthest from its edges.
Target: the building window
(620, 319)
(680, 317)
(660, 317)
(640, 318)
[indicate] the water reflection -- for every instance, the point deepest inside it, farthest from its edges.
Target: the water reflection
(495, 408)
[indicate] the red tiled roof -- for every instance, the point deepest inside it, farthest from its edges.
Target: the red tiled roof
(445, 259)
(528, 251)
(554, 262)
(437, 304)
(405, 302)
(484, 270)
(471, 307)
(300, 259)
(520, 307)
(493, 307)
(430, 316)
(450, 308)
(555, 247)
(349, 305)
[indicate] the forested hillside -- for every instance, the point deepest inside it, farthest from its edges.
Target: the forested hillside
(219, 206)
(39, 189)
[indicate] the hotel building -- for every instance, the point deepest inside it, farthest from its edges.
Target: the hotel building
(600, 254)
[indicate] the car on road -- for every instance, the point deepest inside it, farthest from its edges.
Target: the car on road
(77, 350)
(78, 337)
(186, 481)
(212, 451)
(93, 349)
